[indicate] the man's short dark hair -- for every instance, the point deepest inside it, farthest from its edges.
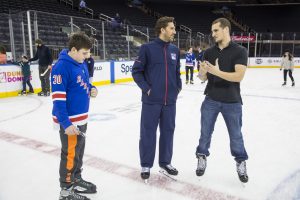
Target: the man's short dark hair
(223, 23)
(162, 23)
(38, 41)
(79, 41)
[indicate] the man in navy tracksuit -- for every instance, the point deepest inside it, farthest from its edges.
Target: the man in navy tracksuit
(157, 73)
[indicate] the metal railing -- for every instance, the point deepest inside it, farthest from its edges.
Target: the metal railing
(68, 2)
(187, 30)
(93, 30)
(74, 25)
(89, 11)
(142, 33)
(110, 44)
(105, 18)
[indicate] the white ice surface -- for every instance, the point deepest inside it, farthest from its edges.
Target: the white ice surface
(271, 131)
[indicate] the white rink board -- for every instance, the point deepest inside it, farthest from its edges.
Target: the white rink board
(123, 70)
(101, 72)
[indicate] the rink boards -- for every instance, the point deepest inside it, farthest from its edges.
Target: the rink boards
(105, 73)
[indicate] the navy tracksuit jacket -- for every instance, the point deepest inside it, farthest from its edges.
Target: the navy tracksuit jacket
(157, 69)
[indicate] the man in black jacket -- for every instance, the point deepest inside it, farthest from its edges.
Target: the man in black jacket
(157, 73)
(44, 56)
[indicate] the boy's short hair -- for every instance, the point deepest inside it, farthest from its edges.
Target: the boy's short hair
(79, 41)
(25, 57)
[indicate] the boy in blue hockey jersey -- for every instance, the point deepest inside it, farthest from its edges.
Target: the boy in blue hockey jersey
(189, 66)
(71, 92)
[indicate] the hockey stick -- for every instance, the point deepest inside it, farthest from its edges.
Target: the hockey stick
(43, 74)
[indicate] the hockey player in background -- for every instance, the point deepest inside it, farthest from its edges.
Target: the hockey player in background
(189, 66)
(71, 92)
(157, 72)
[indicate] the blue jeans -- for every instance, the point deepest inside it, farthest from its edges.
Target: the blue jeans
(232, 114)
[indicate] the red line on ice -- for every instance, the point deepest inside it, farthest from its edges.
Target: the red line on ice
(158, 181)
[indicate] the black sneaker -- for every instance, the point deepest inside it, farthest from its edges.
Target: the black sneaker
(82, 186)
(145, 173)
(201, 165)
(170, 169)
(69, 194)
(283, 84)
(242, 171)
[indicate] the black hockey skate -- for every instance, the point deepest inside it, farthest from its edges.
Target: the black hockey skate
(69, 194)
(293, 84)
(82, 186)
(40, 94)
(283, 84)
(170, 170)
(145, 173)
(46, 94)
(22, 93)
(242, 171)
(201, 165)
(31, 92)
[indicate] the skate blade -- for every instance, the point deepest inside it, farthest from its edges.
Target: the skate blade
(146, 181)
(243, 184)
(162, 171)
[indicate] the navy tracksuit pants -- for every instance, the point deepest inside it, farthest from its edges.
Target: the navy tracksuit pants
(152, 116)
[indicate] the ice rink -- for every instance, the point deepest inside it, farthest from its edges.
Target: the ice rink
(30, 147)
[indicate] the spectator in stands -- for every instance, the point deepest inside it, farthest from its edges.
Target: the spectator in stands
(44, 56)
(189, 66)
(90, 65)
(114, 24)
(82, 4)
(287, 64)
(2, 55)
(25, 68)
(118, 18)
